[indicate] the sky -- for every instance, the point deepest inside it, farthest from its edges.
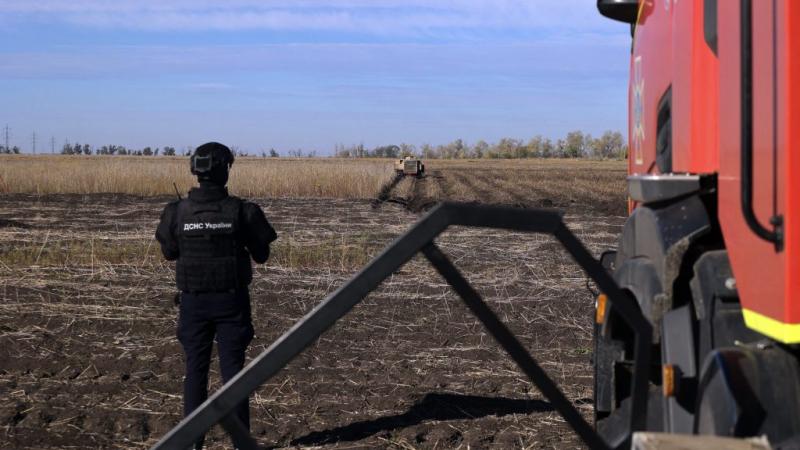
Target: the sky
(307, 74)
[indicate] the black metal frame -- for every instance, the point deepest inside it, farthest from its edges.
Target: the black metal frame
(420, 238)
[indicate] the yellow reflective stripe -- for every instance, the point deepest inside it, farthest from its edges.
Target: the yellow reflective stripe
(788, 333)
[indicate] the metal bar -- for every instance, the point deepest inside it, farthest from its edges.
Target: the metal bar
(626, 306)
(239, 433)
(502, 217)
(336, 305)
(512, 346)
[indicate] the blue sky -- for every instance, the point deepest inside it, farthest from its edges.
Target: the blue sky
(307, 73)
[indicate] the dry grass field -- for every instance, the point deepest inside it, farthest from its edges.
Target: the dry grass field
(306, 178)
(88, 354)
(251, 177)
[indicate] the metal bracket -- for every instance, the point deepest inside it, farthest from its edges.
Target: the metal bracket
(420, 238)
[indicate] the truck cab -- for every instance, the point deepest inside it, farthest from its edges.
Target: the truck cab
(711, 249)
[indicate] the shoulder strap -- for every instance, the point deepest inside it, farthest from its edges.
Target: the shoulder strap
(233, 205)
(183, 208)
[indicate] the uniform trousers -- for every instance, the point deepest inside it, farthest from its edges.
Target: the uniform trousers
(204, 318)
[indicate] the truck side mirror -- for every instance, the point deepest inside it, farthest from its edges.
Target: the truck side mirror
(622, 10)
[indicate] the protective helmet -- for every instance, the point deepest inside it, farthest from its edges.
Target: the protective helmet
(211, 162)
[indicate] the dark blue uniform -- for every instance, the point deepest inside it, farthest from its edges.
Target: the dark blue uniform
(213, 236)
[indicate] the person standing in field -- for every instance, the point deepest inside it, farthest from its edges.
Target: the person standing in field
(213, 236)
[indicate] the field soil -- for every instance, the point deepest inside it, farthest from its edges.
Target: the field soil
(89, 357)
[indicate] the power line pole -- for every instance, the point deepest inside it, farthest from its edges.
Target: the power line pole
(6, 133)
(34, 142)
(53, 145)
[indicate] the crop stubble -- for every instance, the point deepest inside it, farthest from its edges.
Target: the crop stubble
(88, 356)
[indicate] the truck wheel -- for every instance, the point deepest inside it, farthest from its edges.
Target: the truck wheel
(750, 390)
(614, 354)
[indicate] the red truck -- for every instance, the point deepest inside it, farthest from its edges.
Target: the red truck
(711, 249)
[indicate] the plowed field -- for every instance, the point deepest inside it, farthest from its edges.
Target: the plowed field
(89, 358)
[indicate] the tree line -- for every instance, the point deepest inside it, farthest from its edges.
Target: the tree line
(576, 144)
(86, 149)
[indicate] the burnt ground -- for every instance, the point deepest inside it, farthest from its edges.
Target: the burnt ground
(89, 358)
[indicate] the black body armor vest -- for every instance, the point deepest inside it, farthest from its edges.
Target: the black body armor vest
(211, 257)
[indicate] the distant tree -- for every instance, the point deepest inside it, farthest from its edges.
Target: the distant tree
(547, 148)
(168, 151)
(427, 151)
(273, 153)
(87, 149)
(479, 150)
(560, 150)
(588, 140)
(610, 145)
(339, 151)
(453, 150)
(147, 151)
(407, 150)
(534, 147)
(573, 144)
(509, 148)
(15, 150)
(386, 151)
(155, 152)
